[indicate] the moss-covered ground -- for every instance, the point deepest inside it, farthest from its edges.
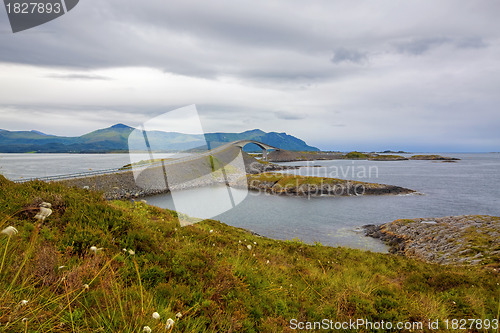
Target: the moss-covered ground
(216, 278)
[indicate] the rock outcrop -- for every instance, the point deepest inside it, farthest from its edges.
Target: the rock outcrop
(468, 239)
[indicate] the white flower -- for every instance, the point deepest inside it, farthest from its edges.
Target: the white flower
(156, 315)
(146, 329)
(211, 231)
(131, 252)
(249, 246)
(124, 250)
(9, 231)
(44, 212)
(61, 267)
(86, 286)
(255, 243)
(170, 323)
(95, 249)
(24, 302)
(178, 315)
(267, 262)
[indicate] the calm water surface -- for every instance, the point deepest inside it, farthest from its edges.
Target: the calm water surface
(469, 186)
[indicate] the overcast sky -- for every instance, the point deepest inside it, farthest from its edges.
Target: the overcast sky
(341, 75)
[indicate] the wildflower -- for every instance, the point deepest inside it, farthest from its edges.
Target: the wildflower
(178, 315)
(267, 262)
(45, 211)
(131, 252)
(156, 315)
(239, 241)
(95, 249)
(24, 302)
(124, 250)
(255, 243)
(9, 231)
(86, 286)
(146, 329)
(170, 323)
(61, 267)
(249, 246)
(86, 188)
(211, 230)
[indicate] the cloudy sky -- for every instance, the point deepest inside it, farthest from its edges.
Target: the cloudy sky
(342, 75)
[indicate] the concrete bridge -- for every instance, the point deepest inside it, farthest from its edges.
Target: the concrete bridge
(239, 144)
(243, 143)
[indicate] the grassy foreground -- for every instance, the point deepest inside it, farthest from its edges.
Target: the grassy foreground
(216, 278)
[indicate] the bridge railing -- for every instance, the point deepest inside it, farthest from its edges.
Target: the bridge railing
(71, 175)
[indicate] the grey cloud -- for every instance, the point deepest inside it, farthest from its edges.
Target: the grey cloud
(421, 45)
(345, 55)
(471, 43)
(269, 41)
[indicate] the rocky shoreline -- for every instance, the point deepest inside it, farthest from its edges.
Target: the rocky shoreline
(462, 240)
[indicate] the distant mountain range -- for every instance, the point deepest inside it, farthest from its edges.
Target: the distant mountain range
(116, 139)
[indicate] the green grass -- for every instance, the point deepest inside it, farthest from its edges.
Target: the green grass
(387, 157)
(214, 279)
(356, 155)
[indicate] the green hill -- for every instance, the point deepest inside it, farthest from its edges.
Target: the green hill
(115, 139)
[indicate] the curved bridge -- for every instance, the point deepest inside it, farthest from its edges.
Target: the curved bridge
(240, 144)
(243, 143)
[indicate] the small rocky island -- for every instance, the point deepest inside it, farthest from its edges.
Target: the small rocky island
(297, 156)
(288, 184)
(466, 239)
